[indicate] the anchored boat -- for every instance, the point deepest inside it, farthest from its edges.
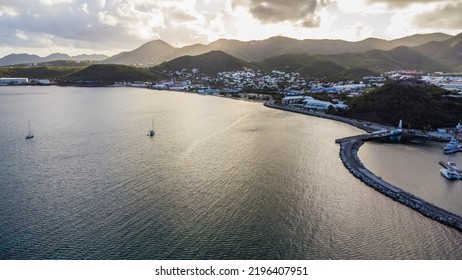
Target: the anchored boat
(152, 132)
(30, 135)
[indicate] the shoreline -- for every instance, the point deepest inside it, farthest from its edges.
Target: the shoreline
(348, 153)
(349, 147)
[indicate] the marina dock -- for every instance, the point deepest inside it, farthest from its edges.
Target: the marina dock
(445, 165)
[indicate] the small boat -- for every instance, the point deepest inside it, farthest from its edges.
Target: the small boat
(152, 132)
(450, 174)
(452, 147)
(453, 165)
(30, 135)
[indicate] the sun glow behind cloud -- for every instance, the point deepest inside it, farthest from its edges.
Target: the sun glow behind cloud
(111, 26)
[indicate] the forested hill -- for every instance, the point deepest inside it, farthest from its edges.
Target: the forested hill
(420, 107)
(109, 73)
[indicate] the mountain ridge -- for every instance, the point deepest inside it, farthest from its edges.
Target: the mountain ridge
(258, 50)
(24, 58)
(157, 51)
(350, 66)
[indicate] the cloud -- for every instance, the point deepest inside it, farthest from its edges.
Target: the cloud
(102, 24)
(359, 31)
(55, 2)
(111, 26)
(21, 35)
(84, 7)
(402, 3)
(303, 12)
(444, 17)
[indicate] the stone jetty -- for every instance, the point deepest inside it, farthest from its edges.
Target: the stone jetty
(349, 156)
(349, 147)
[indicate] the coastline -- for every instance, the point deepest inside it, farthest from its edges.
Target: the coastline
(348, 153)
(349, 148)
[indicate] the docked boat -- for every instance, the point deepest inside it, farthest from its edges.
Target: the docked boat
(30, 135)
(453, 166)
(452, 147)
(450, 174)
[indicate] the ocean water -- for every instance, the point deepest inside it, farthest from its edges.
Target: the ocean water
(222, 179)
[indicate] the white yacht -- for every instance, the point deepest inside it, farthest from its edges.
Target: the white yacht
(452, 147)
(453, 166)
(450, 174)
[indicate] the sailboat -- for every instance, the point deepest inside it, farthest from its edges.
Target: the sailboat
(152, 132)
(30, 135)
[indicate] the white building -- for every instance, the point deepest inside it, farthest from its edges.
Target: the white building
(14, 81)
(341, 105)
(311, 103)
(452, 86)
(292, 99)
(40, 81)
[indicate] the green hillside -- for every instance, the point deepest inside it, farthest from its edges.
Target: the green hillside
(110, 73)
(318, 66)
(354, 65)
(157, 51)
(209, 63)
(44, 72)
(417, 106)
(447, 52)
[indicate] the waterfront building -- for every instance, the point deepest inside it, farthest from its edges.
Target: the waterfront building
(292, 99)
(311, 103)
(454, 86)
(341, 105)
(14, 81)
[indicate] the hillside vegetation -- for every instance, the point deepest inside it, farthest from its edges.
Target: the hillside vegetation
(418, 106)
(109, 73)
(157, 51)
(354, 65)
(210, 63)
(316, 66)
(44, 72)
(346, 66)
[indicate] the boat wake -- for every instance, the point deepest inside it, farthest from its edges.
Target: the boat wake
(199, 142)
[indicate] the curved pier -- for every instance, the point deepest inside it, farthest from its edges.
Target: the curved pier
(349, 155)
(349, 147)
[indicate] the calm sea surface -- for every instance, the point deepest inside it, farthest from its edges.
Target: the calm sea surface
(222, 179)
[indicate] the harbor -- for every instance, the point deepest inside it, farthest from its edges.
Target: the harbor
(349, 147)
(349, 155)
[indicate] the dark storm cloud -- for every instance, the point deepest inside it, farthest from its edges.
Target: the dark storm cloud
(446, 17)
(275, 11)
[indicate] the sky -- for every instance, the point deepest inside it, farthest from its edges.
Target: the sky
(108, 27)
